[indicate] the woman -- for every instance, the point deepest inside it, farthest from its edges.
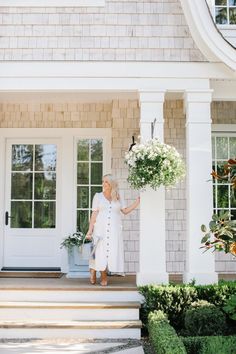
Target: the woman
(105, 226)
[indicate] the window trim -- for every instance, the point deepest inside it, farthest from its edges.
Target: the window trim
(52, 3)
(226, 130)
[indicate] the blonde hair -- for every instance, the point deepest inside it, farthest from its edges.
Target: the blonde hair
(114, 186)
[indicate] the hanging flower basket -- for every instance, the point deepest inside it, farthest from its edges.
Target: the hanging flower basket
(154, 164)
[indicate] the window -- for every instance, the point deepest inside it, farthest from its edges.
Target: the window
(89, 178)
(33, 186)
(223, 148)
(225, 12)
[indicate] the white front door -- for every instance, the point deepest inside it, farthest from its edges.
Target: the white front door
(31, 204)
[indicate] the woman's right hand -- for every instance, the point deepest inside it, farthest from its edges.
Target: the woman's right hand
(88, 236)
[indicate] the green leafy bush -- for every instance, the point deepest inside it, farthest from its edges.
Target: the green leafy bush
(163, 336)
(230, 307)
(175, 299)
(210, 345)
(219, 345)
(204, 319)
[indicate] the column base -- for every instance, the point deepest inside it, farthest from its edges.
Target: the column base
(152, 278)
(201, 278)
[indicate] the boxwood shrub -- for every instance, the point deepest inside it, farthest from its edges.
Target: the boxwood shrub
(210, 345)
(163, 336)
(175, 299)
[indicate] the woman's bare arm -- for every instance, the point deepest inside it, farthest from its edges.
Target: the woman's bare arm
(91, 224)
(130, 208)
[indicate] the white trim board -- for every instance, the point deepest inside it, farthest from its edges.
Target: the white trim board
(52, 3)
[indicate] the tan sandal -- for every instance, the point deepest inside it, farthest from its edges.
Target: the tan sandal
(103, 281)
(93, 276)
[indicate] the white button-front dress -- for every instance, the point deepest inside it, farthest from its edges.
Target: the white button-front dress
(109, 253)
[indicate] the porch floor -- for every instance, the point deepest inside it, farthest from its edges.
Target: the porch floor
(114, 282)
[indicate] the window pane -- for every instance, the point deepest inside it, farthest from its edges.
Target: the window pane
(83, 150)
(232, 16)
(93, 191)
(214, 196)
(83, 173)
(220, 171)
(21, 213)
(45, 157)
(22, 157)
(233, 197)
(221, 2)
(233, 213)
(21, 185)
(82, 197)
(96, 173)
(232, 2)
(96, 150)
(213, 147)
(222, 148)
(221, 15)
(44, 214)
(223, 196)
(232, 147)
(45, 186)
(83, 220)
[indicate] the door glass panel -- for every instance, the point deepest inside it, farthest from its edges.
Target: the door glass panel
(83, 220)
(22, 157)
(83, 173)
(21, 214)
(34, 191)
(45, 186)
(83, 150)
(89, 178)
(83, 197)
(96, 150)
(45, 157)
(96, 173)
(44, 214)
(21, 185)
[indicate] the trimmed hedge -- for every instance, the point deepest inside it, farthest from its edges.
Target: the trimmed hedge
(163, 336)
(210, 345)
(175, 299)
(204, 319)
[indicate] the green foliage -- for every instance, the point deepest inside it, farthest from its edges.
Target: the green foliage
(193, 345)
(219, 345)
(171, 299)
(204, 319)
(210, 345)
(175, 299)
(230, 307)
(163, 335)
(76, 239)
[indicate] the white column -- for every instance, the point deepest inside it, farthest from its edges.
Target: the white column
(199, 266)
(152, 263)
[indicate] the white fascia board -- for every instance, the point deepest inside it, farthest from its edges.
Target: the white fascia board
(65, 69)
(223, 90)
(205, 34)
(52, 3)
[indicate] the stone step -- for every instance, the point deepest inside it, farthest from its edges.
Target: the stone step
(69, 310)
(70, 329)
(70, 294)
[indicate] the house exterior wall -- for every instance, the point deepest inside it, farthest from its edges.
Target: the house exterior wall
(120, 31)
(122, 116)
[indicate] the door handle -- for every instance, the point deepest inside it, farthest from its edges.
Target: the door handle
(7, 217)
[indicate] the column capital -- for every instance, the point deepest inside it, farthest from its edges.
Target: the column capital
(151, 96)
(198, 106)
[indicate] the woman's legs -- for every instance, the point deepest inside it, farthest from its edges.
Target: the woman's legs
(103, 277)
(92, 276)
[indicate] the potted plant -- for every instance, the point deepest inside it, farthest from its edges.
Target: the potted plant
(221, 235)
(153, 164)
(78, 248)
